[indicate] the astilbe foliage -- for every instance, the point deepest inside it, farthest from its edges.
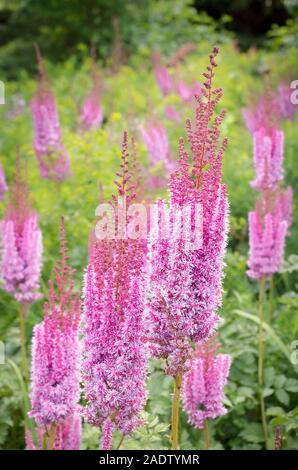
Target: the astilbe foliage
(114, 351)
(184, 285)
(55, 373)
(3, 185)
(50, 152)
(21, 243)
(203, 384)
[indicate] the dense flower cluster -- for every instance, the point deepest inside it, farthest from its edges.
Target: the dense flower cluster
(267, 239)
(185, 277)
(21, 243)
(203, 386)
(114, 351)
(56, 358)
(268, 158)
(50, 152)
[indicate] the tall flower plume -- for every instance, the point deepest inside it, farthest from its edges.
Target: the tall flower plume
(3, 185)
(157, 143)
(185, 276)
(268, 158)
(21, 243)
(114, 353)
(91, 115)
(162, 75)
(47, 142)
(267, 240)
(55, 377)
(203, 385)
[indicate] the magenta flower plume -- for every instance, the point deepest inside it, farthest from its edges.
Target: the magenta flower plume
(91, 115)
(157, 143)
(21, 243)
(266, 242)
(186, 270)
(47, 142)
(285, 201)
(203, 386)
(55, 377)
(172, 114)
(3, 185)
(268, 158)
(162, 75)
(186, 92)
(114, 351)
(264, 111)
(287, 108)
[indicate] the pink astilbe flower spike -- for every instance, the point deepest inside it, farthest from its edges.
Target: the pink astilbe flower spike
(287, 108)
(162, 75)
(266, 242)
(203, 386)
(186, 92)
(21, 243)
(185, 278)
(285, 201)
(55, 377)
(264, 112)
(157, 143)
(47, 142)
(114, 350)
(91, 115)
(268, 158)
(3, 185)
(172, 114)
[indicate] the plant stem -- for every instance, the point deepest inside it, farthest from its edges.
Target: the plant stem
(52, 437)
(120, 443)
(175, 412)
(261, 360)
(207, 435)
(24, 362)
(271, 290)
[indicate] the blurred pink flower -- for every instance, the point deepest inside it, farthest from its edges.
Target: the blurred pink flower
(3, 185)
(268, 158)
(266, 243)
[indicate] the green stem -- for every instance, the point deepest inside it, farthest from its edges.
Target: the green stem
(175, 412)
(207, 435)
(271, 290)
(120, 443)
(261, 360)
(24, 362)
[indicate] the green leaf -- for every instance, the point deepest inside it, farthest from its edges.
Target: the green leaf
(274, 411)
(276, 339)
(283, 396)
(279, 381)
(26, 405)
